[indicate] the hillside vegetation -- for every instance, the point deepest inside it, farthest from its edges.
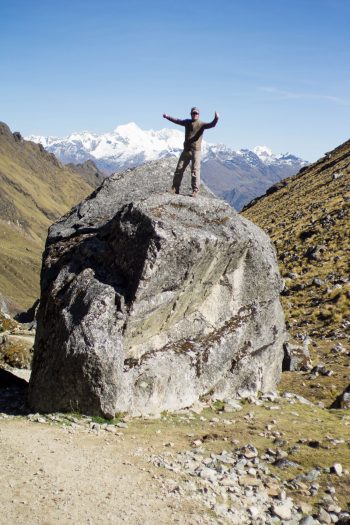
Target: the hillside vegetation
(35, 191)
(308, 219)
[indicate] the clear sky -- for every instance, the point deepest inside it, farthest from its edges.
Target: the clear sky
(277, 71)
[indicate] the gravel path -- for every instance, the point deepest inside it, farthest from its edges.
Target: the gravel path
(49, 476)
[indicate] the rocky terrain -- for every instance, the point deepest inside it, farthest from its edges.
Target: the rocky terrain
(308, 217)
(275, 459)
(35, 190)
(279, 458)
(16, 343)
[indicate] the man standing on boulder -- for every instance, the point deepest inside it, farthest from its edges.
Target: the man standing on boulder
(194, 129)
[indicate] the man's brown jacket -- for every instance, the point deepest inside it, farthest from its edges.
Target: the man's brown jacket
(194, 130)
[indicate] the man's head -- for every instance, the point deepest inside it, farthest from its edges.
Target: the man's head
(194, 113)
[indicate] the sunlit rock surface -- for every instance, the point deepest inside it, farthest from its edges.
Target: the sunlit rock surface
(151, 301)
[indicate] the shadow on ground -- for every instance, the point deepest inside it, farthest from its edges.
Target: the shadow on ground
(13, 394)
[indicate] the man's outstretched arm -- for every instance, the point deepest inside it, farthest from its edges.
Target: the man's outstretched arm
(174, 120)
(213, 123)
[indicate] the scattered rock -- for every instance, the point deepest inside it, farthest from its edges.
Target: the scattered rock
(283, 511)
(312, 475)
(305, 508)
(338, 348)
(317, 282)
(111, 428)
(307, 520)
(249, 451)
(320, 369)
(314, 444)
(296, 357)
(315, 253)
(344, 519)
(285, 463)
(291, 275)
(337, 469)
(324, 517)
(249, 481)
(343, 400)
(307, 233)
(122, 424)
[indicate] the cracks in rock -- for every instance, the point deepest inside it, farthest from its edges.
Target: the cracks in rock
(199, 349)
(234, 363)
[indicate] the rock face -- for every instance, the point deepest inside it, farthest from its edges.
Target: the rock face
(151, 301)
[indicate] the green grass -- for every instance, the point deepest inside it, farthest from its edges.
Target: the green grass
(101, 420)
(35, 191)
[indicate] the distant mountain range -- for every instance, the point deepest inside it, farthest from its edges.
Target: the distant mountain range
(237, 176)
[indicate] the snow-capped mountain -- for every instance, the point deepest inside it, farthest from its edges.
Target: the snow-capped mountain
(226, 171)
(126, 146)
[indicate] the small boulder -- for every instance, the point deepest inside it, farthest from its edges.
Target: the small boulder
(343, 400)
(296, 357)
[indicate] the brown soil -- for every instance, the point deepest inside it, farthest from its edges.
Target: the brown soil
(49, 476)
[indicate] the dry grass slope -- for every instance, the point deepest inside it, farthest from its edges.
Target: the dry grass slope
(35, 190)
(308, 220)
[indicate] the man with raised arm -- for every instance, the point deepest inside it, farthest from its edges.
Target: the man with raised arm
(194, 129)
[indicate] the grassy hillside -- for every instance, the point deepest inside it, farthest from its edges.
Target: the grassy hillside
(35, 191)
(309, 222)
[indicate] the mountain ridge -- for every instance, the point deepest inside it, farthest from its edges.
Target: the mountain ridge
(89, 171)
(129, 146)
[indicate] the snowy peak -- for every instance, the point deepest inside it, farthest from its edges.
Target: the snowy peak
(128, 132)
(265, 154)
(127, 129)
(263, 151)
(126, 146)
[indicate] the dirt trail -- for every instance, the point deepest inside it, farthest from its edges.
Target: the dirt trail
(49, 476)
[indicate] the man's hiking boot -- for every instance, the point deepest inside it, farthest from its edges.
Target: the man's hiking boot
(194, 194)
(175, 190)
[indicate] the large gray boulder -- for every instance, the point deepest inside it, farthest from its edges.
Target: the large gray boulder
(151, 301)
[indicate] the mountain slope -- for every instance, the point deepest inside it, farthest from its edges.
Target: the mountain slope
(35, 191)
(237, 176)
(308, 220)
(89, 171)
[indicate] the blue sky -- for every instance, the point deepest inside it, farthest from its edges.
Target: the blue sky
(277, 71)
